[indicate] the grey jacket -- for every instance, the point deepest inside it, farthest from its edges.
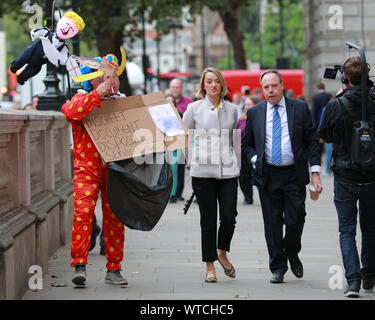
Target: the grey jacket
(213, 133)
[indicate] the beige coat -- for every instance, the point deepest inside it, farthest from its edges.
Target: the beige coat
(212, 153)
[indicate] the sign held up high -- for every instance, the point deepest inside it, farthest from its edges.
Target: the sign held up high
(124, 128)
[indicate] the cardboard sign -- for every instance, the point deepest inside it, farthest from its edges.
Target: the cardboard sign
(123, 128)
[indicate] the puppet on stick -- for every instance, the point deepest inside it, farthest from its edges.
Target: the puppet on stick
(51, 46)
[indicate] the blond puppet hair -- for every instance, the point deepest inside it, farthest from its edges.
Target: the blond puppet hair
(78, 21)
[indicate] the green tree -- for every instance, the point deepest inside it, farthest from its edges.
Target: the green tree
(228, 11)
(292, 44)
(17, 37)
(265, 47)
(248, 22)
(107, 24)
(110, 25)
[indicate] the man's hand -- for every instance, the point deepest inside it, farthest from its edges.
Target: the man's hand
(340, 91)
(315, 181)
(104, 89)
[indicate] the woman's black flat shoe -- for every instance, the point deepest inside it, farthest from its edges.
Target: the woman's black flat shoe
(231, 273)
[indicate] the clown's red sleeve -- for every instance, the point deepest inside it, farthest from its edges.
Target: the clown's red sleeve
(81, 105)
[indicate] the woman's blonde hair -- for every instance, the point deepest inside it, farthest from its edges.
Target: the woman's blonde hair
(78, 21)
(224, 89)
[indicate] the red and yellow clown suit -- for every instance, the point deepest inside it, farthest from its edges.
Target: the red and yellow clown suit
(90, 176)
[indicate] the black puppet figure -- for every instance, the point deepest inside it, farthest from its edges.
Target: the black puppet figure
(51, 47)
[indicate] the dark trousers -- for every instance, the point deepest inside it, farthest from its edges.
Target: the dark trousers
(245, 180)
(95, 227)
(209, 192)
(33, 57)
(346, 196)
(283, 202)
(180, 179)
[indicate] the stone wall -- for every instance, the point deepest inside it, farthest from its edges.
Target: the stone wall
(36, 202)
(328, 25)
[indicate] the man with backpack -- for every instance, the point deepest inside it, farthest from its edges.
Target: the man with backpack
(354, 174)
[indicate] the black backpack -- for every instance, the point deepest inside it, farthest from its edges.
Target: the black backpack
(362, 149)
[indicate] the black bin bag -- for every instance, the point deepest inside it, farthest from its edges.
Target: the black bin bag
(139, 193)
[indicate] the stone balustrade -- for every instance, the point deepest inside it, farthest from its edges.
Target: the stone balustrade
(36, 194)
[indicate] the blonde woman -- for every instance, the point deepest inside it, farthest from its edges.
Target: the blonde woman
(214, 169)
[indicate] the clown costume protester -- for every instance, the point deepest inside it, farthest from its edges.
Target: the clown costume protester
(90, 177)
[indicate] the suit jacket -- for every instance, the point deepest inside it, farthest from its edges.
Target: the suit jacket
(319, 101)
(303, 137)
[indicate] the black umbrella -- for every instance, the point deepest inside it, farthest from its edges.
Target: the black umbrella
(188, 203)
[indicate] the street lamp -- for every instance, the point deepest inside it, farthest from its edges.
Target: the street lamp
(51, 98)
(158, 39)
(282, 62)
(76, 50)
(144, 56)
(203, 31)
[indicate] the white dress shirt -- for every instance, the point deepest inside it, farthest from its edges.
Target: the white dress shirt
(287, 157)
(56, 42)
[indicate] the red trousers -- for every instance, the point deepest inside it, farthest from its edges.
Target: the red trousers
(86, 187)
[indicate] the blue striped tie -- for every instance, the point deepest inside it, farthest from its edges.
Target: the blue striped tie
(276, 137)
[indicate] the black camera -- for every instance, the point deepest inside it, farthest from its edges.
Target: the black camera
(330, 73)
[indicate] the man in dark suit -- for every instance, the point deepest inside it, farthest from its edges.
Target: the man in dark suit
(278, 143)
(319, 101)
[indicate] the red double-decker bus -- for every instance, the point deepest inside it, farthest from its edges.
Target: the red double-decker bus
(240, 80)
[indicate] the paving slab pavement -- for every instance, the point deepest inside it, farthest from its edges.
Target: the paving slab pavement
(165, 263)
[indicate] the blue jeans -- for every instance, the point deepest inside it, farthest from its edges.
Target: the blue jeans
(346, 196)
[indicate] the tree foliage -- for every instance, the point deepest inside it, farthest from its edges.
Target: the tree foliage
(248, 21)
(264, 48)
(228, 11)
(17, 37)
(109, 24)
(293, 34)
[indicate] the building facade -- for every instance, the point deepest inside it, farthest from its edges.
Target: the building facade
(329, 24)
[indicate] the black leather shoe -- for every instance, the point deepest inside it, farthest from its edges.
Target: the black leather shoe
(277, 277)
(368, 284)
(296, 266)
(352, 289)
